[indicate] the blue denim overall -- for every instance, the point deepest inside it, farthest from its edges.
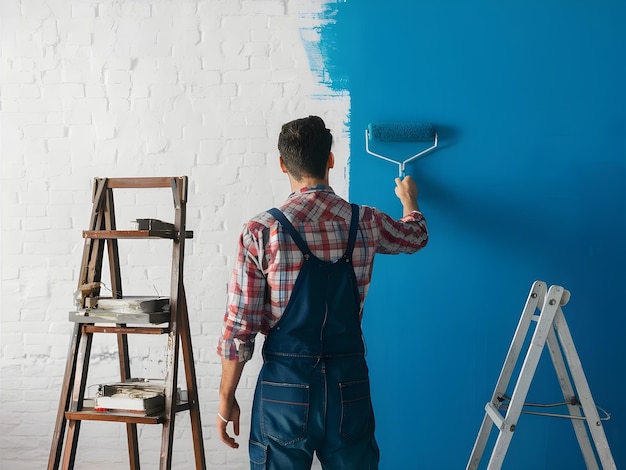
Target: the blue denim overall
(313, 393)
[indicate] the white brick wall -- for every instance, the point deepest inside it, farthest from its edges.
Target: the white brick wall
(111, 88)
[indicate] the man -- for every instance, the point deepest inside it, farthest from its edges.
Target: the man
(301, 277)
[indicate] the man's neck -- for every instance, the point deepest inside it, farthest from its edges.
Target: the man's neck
(307, 182)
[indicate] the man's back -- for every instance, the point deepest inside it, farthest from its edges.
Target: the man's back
(323, 219)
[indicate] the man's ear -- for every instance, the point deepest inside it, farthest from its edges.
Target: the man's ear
(331, 160)
(282, 165)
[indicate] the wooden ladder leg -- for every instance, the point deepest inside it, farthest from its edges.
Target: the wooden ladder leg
(192, 389)
(167, 435)
(122, 339)
(527, 371)
(56, 449)
(535, 296)
(69, 456)
(78, 392)
(133, 446)
(584, 394)
(179, 193)
(90, 253)
(131, 428)
(91, 267)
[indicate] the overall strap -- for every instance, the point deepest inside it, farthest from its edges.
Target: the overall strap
(278, 215)
(354, 226)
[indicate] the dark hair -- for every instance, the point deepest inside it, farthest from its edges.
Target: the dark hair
(304, 144)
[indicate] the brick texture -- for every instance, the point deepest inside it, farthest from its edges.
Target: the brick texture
(93, 88)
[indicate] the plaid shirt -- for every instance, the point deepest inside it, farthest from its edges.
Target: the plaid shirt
(268, 261)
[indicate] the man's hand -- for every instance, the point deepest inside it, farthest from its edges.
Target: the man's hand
(229, 408)
(406, 190)
(230, 413)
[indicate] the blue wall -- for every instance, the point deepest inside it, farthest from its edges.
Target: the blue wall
(529, 99)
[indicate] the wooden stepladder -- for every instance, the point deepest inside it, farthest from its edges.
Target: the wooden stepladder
(174, 325)
(551, 329)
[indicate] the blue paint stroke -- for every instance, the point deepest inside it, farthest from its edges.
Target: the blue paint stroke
(319, 37)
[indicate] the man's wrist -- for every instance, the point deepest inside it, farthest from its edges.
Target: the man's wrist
(227, 395)
(407, 208)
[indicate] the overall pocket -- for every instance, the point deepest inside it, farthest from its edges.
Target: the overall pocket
(357, 417)
(284, 411)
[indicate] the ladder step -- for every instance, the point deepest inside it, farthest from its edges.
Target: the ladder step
(113, 416)
(495, 415)
(122, 417)
(143, 182)
(140, 234)
(126, 330)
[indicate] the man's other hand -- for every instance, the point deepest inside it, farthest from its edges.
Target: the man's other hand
(231, 415)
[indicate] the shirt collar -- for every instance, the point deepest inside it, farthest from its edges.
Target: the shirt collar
(312, 189)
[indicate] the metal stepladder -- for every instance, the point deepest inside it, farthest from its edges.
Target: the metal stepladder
(551, 329)
(175, 325)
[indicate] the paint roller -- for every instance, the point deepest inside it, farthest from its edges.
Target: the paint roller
(400, 132)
